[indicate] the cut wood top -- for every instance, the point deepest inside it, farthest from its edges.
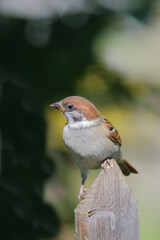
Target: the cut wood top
(109, 208)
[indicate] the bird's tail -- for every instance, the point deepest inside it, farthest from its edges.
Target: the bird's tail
(127, 168)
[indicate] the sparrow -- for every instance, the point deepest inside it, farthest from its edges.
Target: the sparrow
(91, 138)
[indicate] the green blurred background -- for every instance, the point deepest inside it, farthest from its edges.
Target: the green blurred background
(107, 51)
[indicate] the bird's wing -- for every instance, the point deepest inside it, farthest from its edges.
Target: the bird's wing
(113, 133)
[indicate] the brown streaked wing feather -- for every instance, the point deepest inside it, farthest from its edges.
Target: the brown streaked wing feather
(113, 135)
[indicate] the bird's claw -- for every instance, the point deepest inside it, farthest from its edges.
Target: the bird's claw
(81, 195)
(107, 164)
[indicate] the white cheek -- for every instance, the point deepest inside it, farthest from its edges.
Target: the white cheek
(71, 116)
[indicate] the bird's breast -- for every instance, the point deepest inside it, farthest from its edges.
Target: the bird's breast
(89, 146)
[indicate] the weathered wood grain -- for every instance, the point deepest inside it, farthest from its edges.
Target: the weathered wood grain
(109, 210)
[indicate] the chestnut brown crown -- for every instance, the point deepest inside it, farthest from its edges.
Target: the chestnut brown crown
(82, 105)
(76, 104)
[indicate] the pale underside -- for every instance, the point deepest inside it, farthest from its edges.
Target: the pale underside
(90, 146)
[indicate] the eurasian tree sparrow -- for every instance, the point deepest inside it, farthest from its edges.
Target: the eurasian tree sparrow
(91, 138)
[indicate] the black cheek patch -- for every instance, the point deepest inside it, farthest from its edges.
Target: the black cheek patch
(77, 119)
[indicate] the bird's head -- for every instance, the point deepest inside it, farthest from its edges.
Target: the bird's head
(77, 109)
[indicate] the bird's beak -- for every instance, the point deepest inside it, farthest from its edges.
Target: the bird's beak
(58, 106)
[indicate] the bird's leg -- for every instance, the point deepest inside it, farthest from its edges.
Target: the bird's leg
(106, 163)
(82, 189)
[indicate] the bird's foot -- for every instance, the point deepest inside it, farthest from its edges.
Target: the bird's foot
(81, 195)
(107, 163)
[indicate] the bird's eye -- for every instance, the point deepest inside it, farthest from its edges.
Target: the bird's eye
(70, 106)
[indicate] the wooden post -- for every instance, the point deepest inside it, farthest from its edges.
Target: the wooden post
(109, 210)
